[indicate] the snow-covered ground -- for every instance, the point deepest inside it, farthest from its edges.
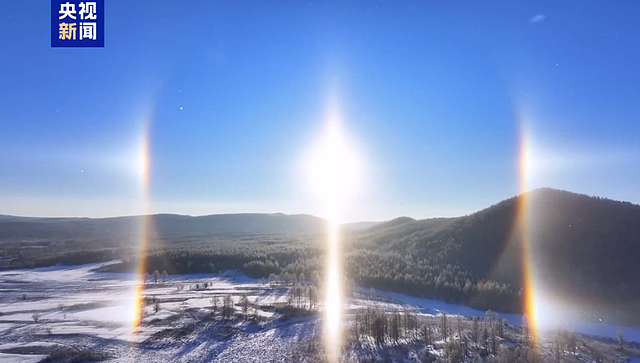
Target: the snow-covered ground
(78, 307)
(598, 329)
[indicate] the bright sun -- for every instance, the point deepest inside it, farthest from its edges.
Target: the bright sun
(333, 171)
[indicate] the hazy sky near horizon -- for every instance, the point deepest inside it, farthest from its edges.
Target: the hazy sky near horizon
(436, 97)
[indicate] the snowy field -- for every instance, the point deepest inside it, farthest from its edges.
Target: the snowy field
(81, 310)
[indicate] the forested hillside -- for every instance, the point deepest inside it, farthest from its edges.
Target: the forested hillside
(581, 247)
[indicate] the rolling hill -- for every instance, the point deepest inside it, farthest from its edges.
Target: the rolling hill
(20, 228)
(580, 249)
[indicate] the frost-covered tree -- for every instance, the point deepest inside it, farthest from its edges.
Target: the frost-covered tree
(444, 327)
(164, 275)
(475, 329)
(35, 317)
(298, 293)
(244, 305)
(494, 322)
(227, 309)
(291, 296)
(215, 304)
(426, 334)
(312, 291)
(395, 326)
(454, 351)
(156, 275)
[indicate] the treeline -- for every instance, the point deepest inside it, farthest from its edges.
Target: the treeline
(83, 257)
(407, 274)
(366, 268)
(251, 259)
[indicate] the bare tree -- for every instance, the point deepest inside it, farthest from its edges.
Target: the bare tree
(316, 279)
(444, 327)
(298, 293)
(378, 328)
(254, 312)
(462, 338)
(312, 291)
(557, 349)
(227, 309)
(525, 329)
(475, 329)
(453, 351)
(621, 340)
(142, 313)
(215, 304)
(244, 305)
(395, 326)
(493, 321)
(426, 334)
(291, 296)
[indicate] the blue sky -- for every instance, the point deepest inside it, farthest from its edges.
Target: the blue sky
(433, 93)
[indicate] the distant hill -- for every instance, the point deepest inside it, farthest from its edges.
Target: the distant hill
(18, 228)
(360, 226)
(584, 249)
(395, 232)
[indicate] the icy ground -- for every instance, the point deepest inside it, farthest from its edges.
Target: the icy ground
(84, 310)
